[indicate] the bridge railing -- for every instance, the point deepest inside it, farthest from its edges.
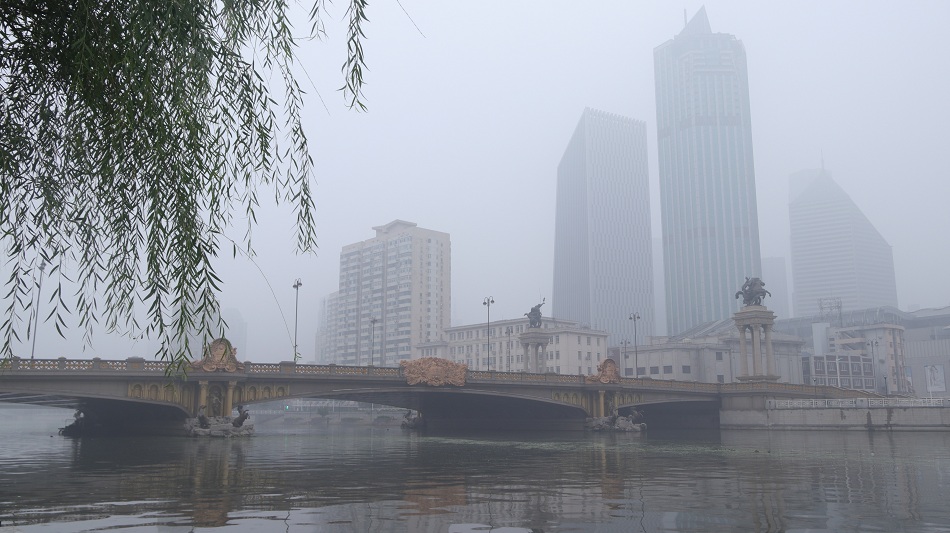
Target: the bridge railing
(862, 403)
(138, 364)
(80, 365)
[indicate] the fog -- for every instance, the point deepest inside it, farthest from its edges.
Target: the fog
(471, 105)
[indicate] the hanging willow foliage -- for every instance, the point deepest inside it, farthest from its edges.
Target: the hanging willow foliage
(131, 132)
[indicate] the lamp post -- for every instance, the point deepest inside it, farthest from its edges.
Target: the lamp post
(838, 370)
(487, 303)
(814, 382)
(36, 310)
(873, 345)
(624, 343)
(297, 285)
(636, 356)
(372, 342)
(508, 332)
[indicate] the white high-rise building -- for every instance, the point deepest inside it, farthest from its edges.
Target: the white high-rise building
(707, 179)
(395, 293)
(603, 257)
(836, 251)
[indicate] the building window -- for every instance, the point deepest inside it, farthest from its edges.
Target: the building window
(588, 341)
(719, 357)
(641, 370)
(686, 369)
(668, 369)
(720, 378)
(654, 370)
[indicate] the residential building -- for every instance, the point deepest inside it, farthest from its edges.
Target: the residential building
(603, 257)
(395, 293)
(707, 177)
(836, 251)
(900, 353)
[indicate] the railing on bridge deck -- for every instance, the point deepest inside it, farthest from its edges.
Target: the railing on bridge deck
(94, 364)
(860, 403)
(138, 364)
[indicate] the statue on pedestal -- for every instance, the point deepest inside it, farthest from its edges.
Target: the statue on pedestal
(534, 315)
(753, 291)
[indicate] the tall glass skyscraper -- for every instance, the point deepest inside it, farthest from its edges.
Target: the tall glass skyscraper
(836, 252)
(603, 258)
(707, 179)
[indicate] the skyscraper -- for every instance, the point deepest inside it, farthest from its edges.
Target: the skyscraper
(775, 276)
(707, 179)
(395, 293)
(603, 266)
(836, 251)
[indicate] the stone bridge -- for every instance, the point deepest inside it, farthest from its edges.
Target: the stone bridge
(139, 395)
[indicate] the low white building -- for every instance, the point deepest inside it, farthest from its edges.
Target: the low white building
(708, 353)
(572, 348)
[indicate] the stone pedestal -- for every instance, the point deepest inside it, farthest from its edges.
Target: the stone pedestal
(755, 321)
(535, 342)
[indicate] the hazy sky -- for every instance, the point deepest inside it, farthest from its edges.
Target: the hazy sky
(470, 112)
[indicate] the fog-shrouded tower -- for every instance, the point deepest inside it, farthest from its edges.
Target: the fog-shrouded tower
(603, 257)
(707, 179)
(836, 251)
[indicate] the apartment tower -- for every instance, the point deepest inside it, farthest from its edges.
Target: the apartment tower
(395, 293)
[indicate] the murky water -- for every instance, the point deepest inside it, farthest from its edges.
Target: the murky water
(339, 478)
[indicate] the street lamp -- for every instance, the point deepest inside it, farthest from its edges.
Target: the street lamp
(487, 303)
(372, 342)
(297, 285)
(814, 382)
(872, 345)
(624, 343)
(838, 370)
(636, 356)
(36, 310)
(508, 332)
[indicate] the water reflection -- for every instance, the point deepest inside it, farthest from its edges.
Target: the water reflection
(380, 479)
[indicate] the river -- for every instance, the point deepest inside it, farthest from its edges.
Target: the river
(339, 477)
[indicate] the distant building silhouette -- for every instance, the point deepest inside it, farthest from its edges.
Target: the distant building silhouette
(707, 179)
(775, 276)
(836, 251)
(603, 266)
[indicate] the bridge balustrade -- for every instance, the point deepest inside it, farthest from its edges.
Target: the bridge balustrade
(138, 364)
(862, 403)
(262, 368)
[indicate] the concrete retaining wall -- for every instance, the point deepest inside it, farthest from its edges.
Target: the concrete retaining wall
(743, 415)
